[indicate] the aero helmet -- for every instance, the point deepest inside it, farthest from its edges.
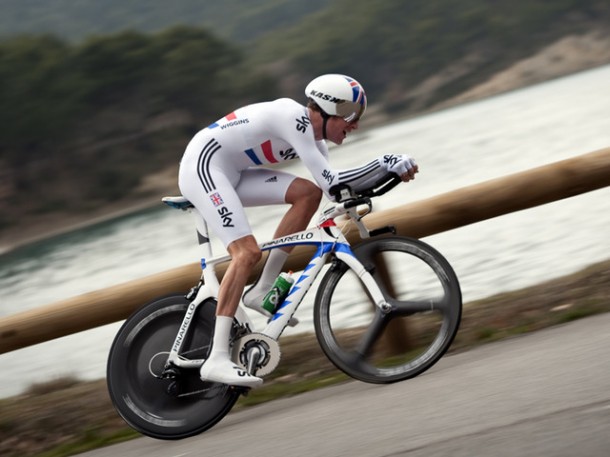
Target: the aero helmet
(338, 95)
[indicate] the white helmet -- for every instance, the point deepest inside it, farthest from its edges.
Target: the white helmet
(338, 95)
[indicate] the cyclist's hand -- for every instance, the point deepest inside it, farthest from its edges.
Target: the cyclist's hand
(404, 166)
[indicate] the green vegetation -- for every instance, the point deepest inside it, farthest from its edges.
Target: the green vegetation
(82, 124)
(84, 121)
(393, 45)
(237, 20)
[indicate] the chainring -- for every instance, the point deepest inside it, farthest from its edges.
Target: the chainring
(269, 348)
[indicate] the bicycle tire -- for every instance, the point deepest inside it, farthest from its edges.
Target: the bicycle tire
(165, 408)
(355, 334)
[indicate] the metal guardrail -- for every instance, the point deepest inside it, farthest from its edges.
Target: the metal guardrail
(455, 209)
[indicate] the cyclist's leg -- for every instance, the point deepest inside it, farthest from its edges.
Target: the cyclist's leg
(304, 197)
(277, 188)
(214, 196)
(260, 186)
(219, 367)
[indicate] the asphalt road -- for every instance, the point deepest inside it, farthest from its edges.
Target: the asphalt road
(543, 394)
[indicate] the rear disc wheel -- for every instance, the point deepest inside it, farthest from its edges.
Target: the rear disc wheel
(177, 405)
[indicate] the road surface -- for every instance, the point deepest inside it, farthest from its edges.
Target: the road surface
(543, 394)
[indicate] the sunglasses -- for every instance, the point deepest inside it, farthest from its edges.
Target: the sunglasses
(351, 112)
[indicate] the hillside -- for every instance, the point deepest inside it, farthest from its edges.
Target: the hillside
(93, 127)
(566, 56)
(230, 19)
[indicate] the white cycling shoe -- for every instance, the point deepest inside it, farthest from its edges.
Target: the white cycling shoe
(254, 301)
(221, 369)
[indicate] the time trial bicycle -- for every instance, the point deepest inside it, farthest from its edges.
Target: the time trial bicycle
(367, 293)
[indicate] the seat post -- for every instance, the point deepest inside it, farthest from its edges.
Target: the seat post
(208, 273)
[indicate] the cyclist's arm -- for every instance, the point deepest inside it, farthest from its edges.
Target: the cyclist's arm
(314, 156)
(357, 178)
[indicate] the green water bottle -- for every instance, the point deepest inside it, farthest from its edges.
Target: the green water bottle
(278, 292)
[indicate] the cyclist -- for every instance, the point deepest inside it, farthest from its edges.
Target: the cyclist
(222, 171)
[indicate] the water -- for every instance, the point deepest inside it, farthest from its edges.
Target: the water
(454, 148)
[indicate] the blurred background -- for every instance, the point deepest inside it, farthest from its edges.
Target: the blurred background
(99, 99)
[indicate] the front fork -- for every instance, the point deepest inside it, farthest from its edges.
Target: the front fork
(367, 279)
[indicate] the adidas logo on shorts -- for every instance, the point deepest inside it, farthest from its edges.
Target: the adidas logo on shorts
(272, 179)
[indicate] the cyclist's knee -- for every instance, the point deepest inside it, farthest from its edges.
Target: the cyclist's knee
(245, 252)
(304, 191)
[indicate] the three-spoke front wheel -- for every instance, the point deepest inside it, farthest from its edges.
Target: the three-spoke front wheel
(378, 346)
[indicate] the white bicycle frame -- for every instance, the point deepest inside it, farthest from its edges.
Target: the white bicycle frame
(326, 236)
